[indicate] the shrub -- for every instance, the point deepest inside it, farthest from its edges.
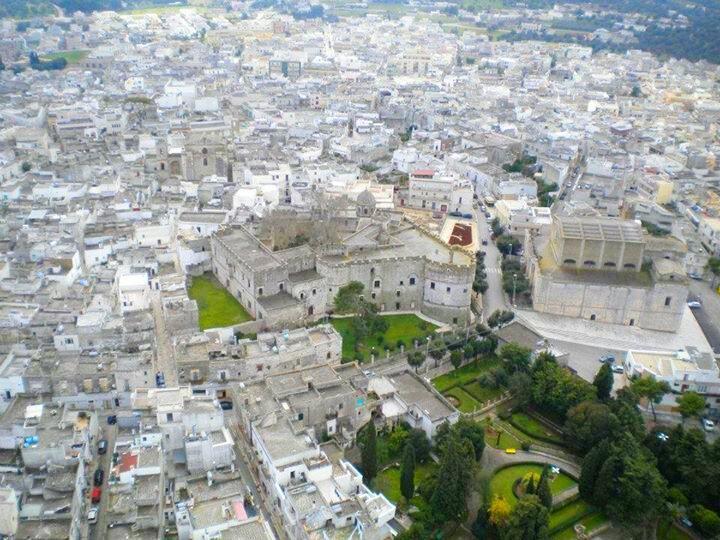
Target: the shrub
(525, 445)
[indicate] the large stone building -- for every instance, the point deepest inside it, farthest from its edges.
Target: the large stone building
(598, 269)
(402, 267)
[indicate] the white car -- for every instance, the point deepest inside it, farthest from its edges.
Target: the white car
(708, 425)
(92, 514)
(695, 304)
(618, 369)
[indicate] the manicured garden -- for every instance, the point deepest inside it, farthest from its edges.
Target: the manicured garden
(405, 328)
(502, 482)
(499, 438)
(217, 307)
(463, 388)
(534, 428)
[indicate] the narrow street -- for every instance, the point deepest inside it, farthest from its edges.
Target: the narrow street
(164, 353)
(99, 530)
(707, 316)
(494, 298)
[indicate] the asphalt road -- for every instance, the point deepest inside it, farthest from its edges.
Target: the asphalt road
(99, 530)
(494, 297)
(707, 316)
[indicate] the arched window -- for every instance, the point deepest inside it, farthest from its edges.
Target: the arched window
(610, 264)
(589, 263)
(569, 261)
(629, 266)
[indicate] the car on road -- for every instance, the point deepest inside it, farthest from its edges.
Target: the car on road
(484, 242)
(510, 451)
(708, 425)
(685, 521)
(92, 514)
(694, 304)
(102, 446)
(467, 216)
(112, 420)
(96, 495)
(618, 369)
(160, 379)
(99, 476)
(226, 405)
(607, 359)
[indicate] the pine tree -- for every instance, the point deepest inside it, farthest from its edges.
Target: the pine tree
(543, 490)
(407, 472)
(528, 521)
(530, 485)
(591, 466)
(603, 382)
(369, 453)
(454, 477)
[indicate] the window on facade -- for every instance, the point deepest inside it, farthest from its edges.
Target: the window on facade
(455, 319)
(397, 293)
(372, 296)
(260, 291)
(592, 317)
(668, 299)
(281, 286)
(632, 322)
(314, 291)
(397, 305)
(402, 283)
(377, 283)
(412, 281)
(447, 289)
(432, 285)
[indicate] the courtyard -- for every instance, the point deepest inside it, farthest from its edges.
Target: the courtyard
(217, 307)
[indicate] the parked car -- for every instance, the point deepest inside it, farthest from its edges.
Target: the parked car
(708, 425)
(96, 495)
(160, 379)
(618, 369)
(112, 420)
(226, 405)
(685, 521)
(694, 304)
(484, 242)
(102, 446)
(467, 216)
(607, 359)
(92, 514)
(99, 476)
(455, 214)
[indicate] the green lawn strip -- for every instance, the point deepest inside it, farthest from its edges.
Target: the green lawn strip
(72, 57)
(465, 374)
(503, 480)
(506, 440)
(482, 393)
(388, 481)
(400, 327)
(534, 428)
(568, 515)
(217, 307)
(591, 522)
(466, 403)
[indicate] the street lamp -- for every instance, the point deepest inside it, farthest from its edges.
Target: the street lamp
(514, 286)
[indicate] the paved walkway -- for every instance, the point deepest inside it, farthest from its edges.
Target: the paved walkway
(493, 459)
(164, 353)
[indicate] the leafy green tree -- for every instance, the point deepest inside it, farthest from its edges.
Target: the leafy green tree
(420, 444)
(636, 92)
(407, 472)
(690, 404)
(369, 453)
(603, 382)
(415, 532)
(625, 409)
(588, 423)
(528, 520)
(713, 266)
(556, 389)
(543, 489)
(473, 432)
(416, 359)
(454, 478)
(347, 299)
(520, 386)
(515, 357)
(591, 465)
(468, 351)
(456, 358)
(26, 166)
(707, 521)
(652, 390)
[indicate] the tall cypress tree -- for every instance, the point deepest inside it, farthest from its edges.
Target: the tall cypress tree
(591, 466)
(543, 489)
(407, 472)
(603, 382)
(454, 477)
(369, 453)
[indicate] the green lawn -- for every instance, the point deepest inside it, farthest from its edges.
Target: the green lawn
(388, 481)
(465, 374)
(534, 428)
(465, 402)
(591, 522)
(72, 57)
(502, 482)
(400, 327)
(217, 307)
(482, 393)
(569, 514)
